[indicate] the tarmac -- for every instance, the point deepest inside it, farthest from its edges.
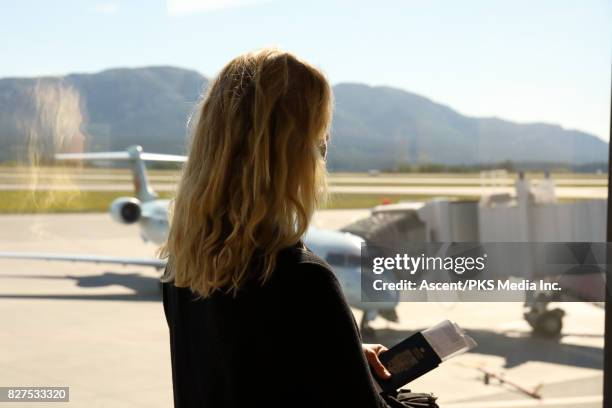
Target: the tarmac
(101, 331)
(564, 192)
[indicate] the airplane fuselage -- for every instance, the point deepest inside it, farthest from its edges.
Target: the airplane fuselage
(153, 222)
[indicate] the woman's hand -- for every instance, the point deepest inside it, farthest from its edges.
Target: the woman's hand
(371, 352)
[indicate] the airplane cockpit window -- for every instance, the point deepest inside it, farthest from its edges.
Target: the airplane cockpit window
(336, 259)
(343, 260)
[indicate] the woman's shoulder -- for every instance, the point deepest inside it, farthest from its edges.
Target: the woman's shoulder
(300, 254)
(302, 264)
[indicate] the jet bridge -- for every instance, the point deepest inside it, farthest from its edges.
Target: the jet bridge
(531, 214)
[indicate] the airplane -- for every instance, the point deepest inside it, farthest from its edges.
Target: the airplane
(342, 250)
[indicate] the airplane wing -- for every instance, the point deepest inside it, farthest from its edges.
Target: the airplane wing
(45, 256)
(163, 157)
(124, 155)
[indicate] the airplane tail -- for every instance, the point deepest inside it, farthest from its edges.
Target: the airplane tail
(137, 157)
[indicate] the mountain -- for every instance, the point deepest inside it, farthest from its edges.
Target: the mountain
(374, 127)
(147, 106)
(104, 111)
(378, 127)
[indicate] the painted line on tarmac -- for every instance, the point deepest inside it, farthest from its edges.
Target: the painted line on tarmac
(546, 402)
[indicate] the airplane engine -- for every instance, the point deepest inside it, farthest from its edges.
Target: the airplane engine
(126, 210)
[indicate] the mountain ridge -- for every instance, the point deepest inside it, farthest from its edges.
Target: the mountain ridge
(373, 127)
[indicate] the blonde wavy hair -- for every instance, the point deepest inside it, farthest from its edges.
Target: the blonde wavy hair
(254, 175)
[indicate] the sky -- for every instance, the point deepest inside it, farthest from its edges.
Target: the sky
(527, 61)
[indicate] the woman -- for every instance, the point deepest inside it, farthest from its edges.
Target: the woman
(255, 318)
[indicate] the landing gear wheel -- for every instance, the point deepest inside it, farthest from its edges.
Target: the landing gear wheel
(546, 324)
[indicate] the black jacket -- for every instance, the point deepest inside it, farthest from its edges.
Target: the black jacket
(292, 342)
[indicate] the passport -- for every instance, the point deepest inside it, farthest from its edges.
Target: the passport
(422, 352)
